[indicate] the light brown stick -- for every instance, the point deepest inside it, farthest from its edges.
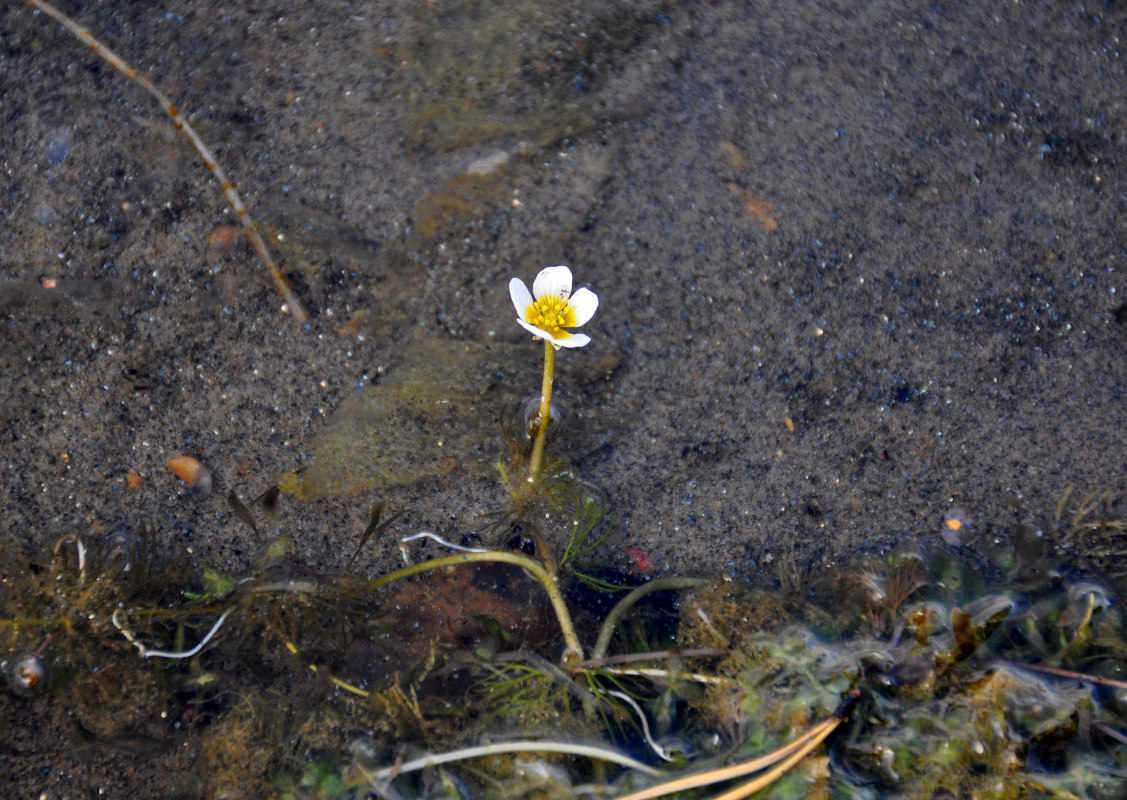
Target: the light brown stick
(804, 743)
(292, 304)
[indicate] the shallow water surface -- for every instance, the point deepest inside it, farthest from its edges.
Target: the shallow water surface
(858, 270)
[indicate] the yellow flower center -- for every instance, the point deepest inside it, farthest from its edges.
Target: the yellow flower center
(551, 314)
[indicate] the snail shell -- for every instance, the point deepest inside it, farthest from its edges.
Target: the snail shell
(521, 420)
(27, 675)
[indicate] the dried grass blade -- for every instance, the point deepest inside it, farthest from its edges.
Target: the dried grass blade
(753, 786)
(804, 743)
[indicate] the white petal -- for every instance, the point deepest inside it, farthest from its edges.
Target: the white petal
(521, 298)
(534, 330)
(584, 302)
(575, 340)
(552, 281)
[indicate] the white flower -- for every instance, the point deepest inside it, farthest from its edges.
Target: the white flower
(555, 307)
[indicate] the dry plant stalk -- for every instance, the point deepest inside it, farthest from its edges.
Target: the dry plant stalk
(789, 755)
(292, 304)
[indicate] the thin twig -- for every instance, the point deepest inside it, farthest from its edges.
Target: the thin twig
(1063, 673)
(734, 771)
(655, 655)
(766, 779)
(667, 676)
(292, 304)
(796, 750)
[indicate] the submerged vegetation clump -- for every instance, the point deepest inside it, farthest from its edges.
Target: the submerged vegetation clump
(923, 681)
(1002, 692)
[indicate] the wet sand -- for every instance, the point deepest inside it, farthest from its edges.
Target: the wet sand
(857, 266)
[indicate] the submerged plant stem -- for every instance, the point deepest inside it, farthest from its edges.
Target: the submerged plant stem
(1062, 673)
(538, 571)
(536, 466)
(626, 603)
(348, 687)
(568, 748)
(147, 652)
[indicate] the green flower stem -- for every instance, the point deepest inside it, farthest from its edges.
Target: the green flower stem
(626, 603)
(537, 464)
(505, 557)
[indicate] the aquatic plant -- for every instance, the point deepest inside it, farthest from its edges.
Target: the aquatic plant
(1090, 526)
(548, 312)
(950, 710)
(890, 581)
(949, 688)
(965, 691)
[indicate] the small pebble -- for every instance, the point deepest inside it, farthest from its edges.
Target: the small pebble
(193, 473)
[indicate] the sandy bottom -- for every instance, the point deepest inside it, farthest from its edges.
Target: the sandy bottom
(858, 265)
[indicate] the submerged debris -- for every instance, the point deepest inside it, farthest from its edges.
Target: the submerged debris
(27, 674)
(194, 474)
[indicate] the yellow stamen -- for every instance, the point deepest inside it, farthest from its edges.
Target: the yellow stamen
(552, 314)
